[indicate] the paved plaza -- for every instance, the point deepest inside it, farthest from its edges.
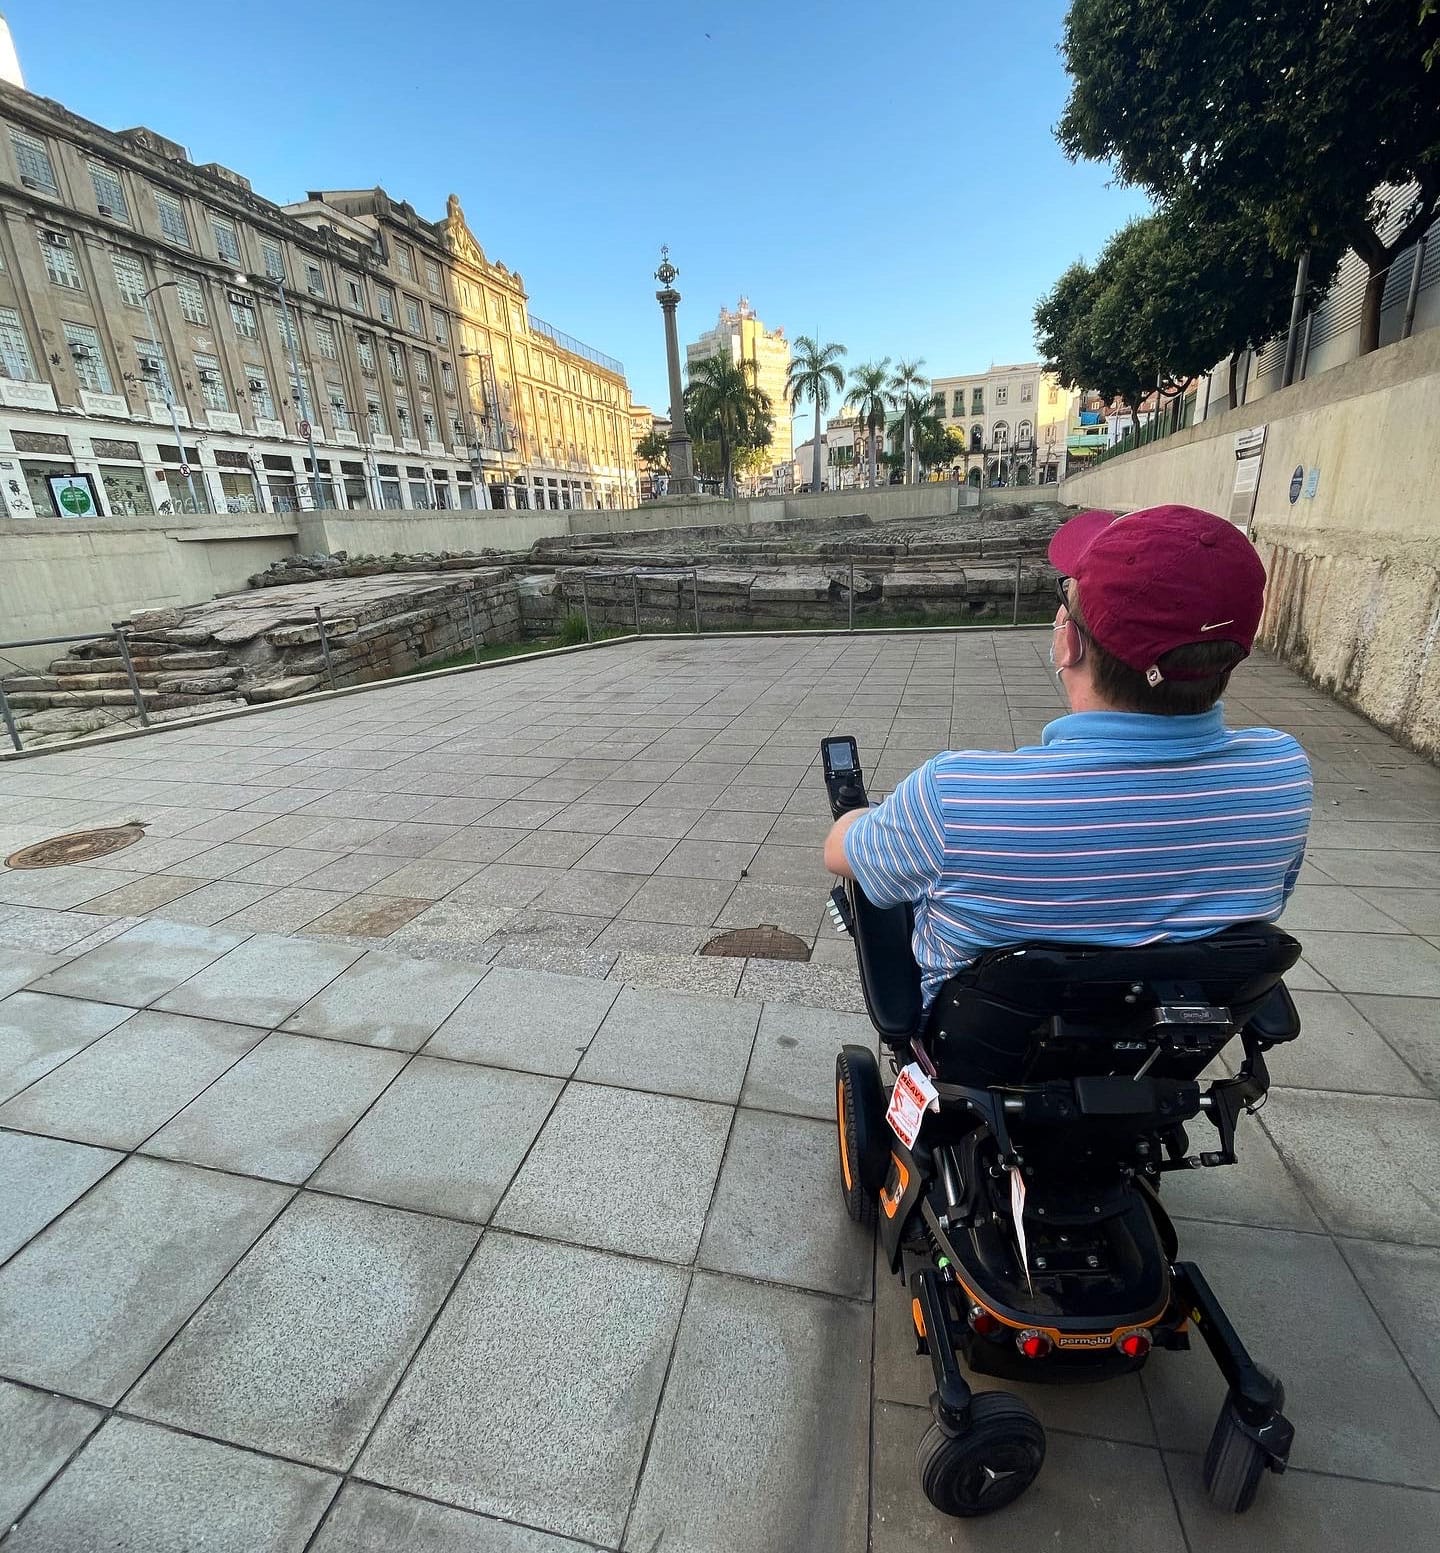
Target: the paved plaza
(382, 1169)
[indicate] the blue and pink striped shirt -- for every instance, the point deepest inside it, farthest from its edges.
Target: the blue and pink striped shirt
(1118, 828)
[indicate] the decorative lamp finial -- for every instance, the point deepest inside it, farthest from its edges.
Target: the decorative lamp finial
(667, 272)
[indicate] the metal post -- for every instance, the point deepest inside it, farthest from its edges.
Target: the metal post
(1413, 295)
(695, 573)
(130, 675)
(585, 604)
(980, 511)
(169, 392)
(9, 717)
(1015, 608)
(470, 622)
(852, 592)
(1297, 304)
(1305, 347)
(635, 598)
(325, 647)
(291, 335)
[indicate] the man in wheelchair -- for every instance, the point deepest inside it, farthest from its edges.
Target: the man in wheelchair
(1055, 942)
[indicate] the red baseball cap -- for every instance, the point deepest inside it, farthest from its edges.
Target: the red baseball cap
(1160, 578)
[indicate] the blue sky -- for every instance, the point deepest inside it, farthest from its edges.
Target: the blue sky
(885, 174)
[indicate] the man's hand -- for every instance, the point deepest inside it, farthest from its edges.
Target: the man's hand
(835, 859)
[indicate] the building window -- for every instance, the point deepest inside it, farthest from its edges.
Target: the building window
(242, 315)
(1023, 433)
(365, 352)
(15, 360)
(286, 327)
(154, 369)
(999, 434)
(33, 162)
(385, 301)
(937, 402)
(422, 368)
(227, 244)
(428, 418)
(172, 219)
(397, 362)
(339, 411)
(414, 321)
(376, 418)
(129, 279)
(402, 419)
(325, 339)
(447, 377)
(432, 277)
(1002, 394)
(192, 301)
(1053, 397)
(977, 439)
(262, 401)
(212, 384)
(314, 280)
(88, 360)
(1027, 392)
(355, 293)
(442, 327)
(109, 193)
(60, 263)
(272, 258)
(405, 261)
(977, 401)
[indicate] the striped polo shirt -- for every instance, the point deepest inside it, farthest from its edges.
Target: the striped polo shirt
(1118, 828)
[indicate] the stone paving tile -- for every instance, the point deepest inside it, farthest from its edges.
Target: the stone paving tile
(37, 928)
(369, 916)
(40, 1433)
(664, 938)
(627, 854)
(1367, 1412)
(670, 822)
(1102, 1493)
(673, 1043)
(709, 859)
(1416, 910)
(1334, 906)
(143, 895)
(300, 1347)
(59, 889)
(143, 963)
(139, 1489)
(20, 967)
(349, 873)
(451, 930)
(530, 1020)
(219, 862)
(479, 843)
(39, 1179)
(731, 825)
(678, 900)
(279, 1111)
(816, 986)
(445, 1138)
(713, 975)
(39, 1032)
(553, 1355)
(386, 1000)
(532, 928)
(121, 1088)
(427, 879)
(584, 892)
(374, 1520)
(1256, 1189)
(91, 1301)
(811, 1244)
(410, 839)
(288, 910)
(208, 904)
(1339, 1049)
(768, 1455)
(549, 849)
(507, 884)
(539, 954)
(1403, 1284)
(793, 908)
(262, 982)
(286, 865)
(792, 1067)
(627, 1203)
(1412, 1027)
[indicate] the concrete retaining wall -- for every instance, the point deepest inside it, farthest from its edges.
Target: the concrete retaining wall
(1354, 594)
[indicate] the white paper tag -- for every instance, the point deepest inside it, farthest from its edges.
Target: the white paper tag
(912, 1096)
(1017, 1212)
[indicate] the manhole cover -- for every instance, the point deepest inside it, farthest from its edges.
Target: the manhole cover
(78, 847)
(766, 942)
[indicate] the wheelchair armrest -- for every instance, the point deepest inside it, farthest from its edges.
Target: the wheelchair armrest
(1276, 1018)
(889, 976)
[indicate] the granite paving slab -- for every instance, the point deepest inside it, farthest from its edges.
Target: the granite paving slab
(386, 1000)
(139, 1489)
(695, 902)
(142, 964)
(531, 1020)
(20, 967)
(38, 1032)
(91, 1301)
(39, 1179)
(40, 1432)
(792, 1067)
(1403, 1284)
(366, 1519)
(674, 1044)
(444, 1138)
(298, 1350)
(262, 982)
(649, 1164)
(1412, 1028)
(554, 1355)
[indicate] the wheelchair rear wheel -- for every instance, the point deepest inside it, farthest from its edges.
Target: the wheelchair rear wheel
(986, 1465)
(860, 1120)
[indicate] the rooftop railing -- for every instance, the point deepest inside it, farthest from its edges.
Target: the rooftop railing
(576, 347)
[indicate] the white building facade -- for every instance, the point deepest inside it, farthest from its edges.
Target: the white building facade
(1012, 418)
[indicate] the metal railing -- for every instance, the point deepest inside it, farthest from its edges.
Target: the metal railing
(576, 347)
(122, 643)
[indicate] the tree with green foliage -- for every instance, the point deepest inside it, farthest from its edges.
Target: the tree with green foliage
(723, 405)
(652, 452)
(869, 398)
(937, 446)
(905, 383)
(815, 374)
(1315, 119)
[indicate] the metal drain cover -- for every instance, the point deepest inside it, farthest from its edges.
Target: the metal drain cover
(766, 942)
(79, 846)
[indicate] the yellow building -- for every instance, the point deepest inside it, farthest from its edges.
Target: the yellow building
(741, 336)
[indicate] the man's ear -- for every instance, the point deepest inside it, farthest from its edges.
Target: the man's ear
(1072, 649)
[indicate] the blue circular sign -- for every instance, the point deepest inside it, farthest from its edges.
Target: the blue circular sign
(1297, 483)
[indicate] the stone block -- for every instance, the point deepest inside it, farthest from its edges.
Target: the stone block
(283, 688)
(156, 619)
(198, 684)
(791, 586)
(910, 585)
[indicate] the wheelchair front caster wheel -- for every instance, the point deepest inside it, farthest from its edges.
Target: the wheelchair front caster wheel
(989, 1463)
(1234, 1463)
(860, 1118)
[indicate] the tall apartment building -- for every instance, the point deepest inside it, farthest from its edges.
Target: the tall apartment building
(145, 352)
(742, 336)
(1012, 419)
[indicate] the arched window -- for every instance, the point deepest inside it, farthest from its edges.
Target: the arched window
(1024, 433)
(999, 435)
(977, 439)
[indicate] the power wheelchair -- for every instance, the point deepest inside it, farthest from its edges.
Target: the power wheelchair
(1016, 1161)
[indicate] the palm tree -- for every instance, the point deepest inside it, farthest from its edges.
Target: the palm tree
(904, 381)
(916, 412)
(723, 404)
(870, 399)
(813, 375)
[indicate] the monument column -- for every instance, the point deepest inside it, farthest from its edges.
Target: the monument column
(682, 470)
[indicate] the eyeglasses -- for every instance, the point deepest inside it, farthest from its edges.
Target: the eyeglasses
(1061, 594)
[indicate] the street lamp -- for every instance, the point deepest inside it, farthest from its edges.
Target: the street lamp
(491, 417)
(166, 389)
(290, 334)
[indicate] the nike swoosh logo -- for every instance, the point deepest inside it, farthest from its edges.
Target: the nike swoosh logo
(1217, 625)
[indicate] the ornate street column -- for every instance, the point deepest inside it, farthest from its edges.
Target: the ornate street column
(682, 469)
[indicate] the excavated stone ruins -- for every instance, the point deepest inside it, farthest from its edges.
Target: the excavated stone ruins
(386, 615)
